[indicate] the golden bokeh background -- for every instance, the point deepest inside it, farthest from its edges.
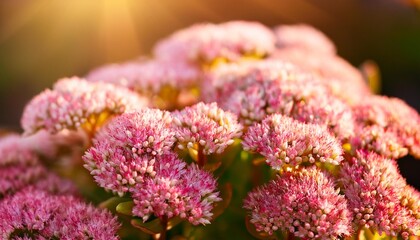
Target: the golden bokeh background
(44, 40)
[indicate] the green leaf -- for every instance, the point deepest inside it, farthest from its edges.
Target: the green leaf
(125, 208)
(152, 227)
(111, 203)
(227, 158)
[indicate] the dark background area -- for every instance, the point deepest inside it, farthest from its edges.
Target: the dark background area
(42, 40)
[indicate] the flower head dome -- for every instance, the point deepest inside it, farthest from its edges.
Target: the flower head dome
(125, 150)
(317, 212)
(326, 110)
(205, 43)
(375, 190)
(176, 190)
(205, 127)
(75, 103)
(35, 214)
(284, 141)
(387, 126)
(410, 200)
(380, 140)
(305, 37)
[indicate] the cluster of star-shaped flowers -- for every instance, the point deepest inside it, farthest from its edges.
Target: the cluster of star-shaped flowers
(20, 168)
(284, 141)
(299, 106)
(176, 190)
(206, 128)
(35, 214)
(74, 102)
(304, 203)
(379, 197)
(133, 154)
(125, 150)
(206, 43)
(387, 126)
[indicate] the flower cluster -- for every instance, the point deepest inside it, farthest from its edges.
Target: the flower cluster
(206, 128)
(235, 117)
(379, 197)
(125, 150)
(176, 190)
(36, 214)
(387, 126)
(133, 154)
(206, 43)
(74, 102)
(284, 141)
(318, 212)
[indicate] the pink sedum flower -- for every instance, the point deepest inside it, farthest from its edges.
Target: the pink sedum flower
(73, 102)
(317, 212)
(159, 195)
(380, 140)
(326, 110)
(176, 190)
(305, 37)
(35, 214)
(205, 127)
(387, 126)
(374, 189)
(201, 188)
(410, 200)
(205, 43)
(125, 150)
(284, 141)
